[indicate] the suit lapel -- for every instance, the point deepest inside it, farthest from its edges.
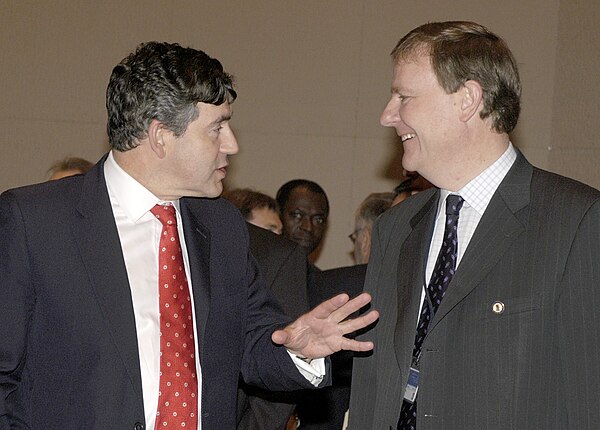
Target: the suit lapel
(411, 275)
(97, 238)
(197, 239)
(496, 231)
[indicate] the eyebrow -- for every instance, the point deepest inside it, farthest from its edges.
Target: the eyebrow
(220, 119)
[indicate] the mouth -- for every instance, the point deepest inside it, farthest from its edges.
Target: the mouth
(223, 170)
(305, 241)
(407, 136)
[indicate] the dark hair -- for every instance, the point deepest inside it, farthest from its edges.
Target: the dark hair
(162, 81)
(71, 163)
(462, 51)
(406, 186)
(286, 189)
(246, 200)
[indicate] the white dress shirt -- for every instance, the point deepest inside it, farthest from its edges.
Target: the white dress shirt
(139, 233)
(477, 195)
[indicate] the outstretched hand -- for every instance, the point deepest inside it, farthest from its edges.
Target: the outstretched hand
(321, 331)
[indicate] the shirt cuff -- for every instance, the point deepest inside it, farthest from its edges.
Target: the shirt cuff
(313, 371)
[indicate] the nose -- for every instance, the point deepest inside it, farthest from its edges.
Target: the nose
(306, 223)
(230, 145)
(390, 114)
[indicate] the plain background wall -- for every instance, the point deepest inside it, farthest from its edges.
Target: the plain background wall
(312, 78)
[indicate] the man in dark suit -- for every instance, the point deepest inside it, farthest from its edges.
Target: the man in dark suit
(128, 297)
(283, 264)
(505, 334)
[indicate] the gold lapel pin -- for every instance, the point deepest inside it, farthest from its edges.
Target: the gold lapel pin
(498, 307)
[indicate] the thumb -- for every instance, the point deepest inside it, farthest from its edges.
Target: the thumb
(279, 337)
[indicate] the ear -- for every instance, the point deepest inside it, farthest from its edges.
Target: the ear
(471, 101)
(157, 134)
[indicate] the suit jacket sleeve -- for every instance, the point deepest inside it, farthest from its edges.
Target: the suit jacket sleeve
(17, 298)
(263, 364)
(578, 309)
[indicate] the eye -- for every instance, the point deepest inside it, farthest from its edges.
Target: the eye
(296, 215)
(318, 220)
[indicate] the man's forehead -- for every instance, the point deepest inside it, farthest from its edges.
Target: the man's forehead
(214, 113)
(412, 61)
(406, 71)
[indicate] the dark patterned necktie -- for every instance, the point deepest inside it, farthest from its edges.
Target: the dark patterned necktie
(444, 269)
(178, 392)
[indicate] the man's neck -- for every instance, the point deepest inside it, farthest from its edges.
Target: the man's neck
(477, 158)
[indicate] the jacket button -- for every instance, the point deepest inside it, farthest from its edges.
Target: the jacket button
(139, 426)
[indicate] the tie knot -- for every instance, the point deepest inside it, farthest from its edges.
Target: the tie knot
(165, 214)
(454, 203)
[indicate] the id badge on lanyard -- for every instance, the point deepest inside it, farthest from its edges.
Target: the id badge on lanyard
(412, 385)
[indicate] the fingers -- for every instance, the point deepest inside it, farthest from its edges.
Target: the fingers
(339, 307)
(355, 345)
(325, 309)
(342, 312)
(353, 325)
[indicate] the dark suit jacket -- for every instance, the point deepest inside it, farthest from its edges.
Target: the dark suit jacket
(284, 266)
(325, 409)
(536, 364)
(68, 346)
(329, 283)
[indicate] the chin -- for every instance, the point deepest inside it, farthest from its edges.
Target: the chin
(214, 192)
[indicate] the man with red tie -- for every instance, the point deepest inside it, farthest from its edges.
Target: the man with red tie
(129, 297)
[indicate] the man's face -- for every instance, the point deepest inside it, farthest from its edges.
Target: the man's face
(266, 218)
(304, 218)
(195, 162)
(425, 118)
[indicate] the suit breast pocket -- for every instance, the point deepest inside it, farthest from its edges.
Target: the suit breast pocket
(505, 307)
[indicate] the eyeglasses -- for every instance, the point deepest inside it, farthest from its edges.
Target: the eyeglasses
(352, 236)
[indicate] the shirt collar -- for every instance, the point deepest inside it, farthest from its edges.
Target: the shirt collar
(479, 191)
(135, 199)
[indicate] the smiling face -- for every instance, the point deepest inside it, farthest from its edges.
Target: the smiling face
(195, 163)
(425, 118)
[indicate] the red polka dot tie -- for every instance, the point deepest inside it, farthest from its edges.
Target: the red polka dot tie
(178, 395)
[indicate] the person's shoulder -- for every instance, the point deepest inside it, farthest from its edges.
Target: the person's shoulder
(348, 279)
(408, 208)
(261, 235)
(567, 184)
(50, 192)
(213, 209)
(557, 188)
(268, 246)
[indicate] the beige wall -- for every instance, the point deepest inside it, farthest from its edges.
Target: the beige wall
(312, 78)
